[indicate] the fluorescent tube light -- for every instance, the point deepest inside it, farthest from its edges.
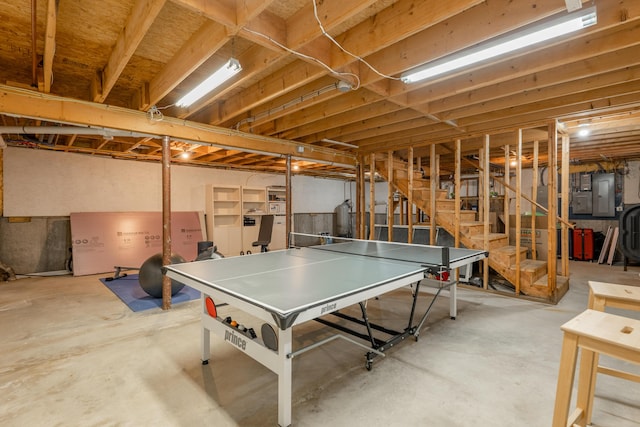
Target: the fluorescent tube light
(528, 36)
(228, 70)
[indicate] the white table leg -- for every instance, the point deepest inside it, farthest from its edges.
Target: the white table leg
(284, 378)
(206, 334)
(453, 301)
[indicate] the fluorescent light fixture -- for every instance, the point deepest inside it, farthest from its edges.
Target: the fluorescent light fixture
(228, 70)
(537, 33)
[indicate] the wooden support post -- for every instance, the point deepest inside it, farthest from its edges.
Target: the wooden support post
(1, 182)
(457, 173)
(481, 173)
(564, 250)
(432, 194)
(289, 204)
(166, 220)
(507, 194)
(360, 202)
(518, 197)
(552, 197)
(485, 207)
(410, 198)
(421, 170)
(390, 204)
(372, 196)
(534, 198)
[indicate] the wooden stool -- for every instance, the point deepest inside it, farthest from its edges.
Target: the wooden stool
(602, 295)
(594, 333)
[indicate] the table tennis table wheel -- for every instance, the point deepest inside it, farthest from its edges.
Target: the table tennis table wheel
(269, 336)
(368, 364)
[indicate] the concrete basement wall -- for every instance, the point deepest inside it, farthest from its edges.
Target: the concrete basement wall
(36, 245)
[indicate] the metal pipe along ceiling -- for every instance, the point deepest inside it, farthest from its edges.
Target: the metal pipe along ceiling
(69, 130)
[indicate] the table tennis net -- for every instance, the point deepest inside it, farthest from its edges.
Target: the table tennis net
(430, 256)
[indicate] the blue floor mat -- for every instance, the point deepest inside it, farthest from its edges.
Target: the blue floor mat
(129, 291)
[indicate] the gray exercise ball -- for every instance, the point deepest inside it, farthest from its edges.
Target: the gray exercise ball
(150, 276)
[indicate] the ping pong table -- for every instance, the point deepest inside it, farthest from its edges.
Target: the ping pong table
(314, 279)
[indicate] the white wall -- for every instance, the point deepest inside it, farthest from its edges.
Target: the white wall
(632, 184)
(48, 183)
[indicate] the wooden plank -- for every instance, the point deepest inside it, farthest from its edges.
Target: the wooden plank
(410, 197)
(143, 14)
(565, 205)
(507, 199)
(534, 198)
(390, 204)
(605, 246)
(372, 195)
(519, 211)
(552, 153)
(485, 206)
(432, 201)
(457, 174)
(612, 248)
(360, 210)
(49, 44)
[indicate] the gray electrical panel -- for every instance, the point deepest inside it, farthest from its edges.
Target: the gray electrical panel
(585, 182)
(582, 202)
(602, 186)
(542, 196)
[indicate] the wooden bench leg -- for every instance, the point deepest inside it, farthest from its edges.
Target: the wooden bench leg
(586, 385)
(566, 376)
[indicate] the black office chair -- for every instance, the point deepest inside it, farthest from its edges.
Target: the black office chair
(264, 235)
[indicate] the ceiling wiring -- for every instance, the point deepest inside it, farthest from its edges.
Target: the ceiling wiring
(311, 58)
(334, 41)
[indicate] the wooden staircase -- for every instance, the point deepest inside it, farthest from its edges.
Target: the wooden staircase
(502, 256)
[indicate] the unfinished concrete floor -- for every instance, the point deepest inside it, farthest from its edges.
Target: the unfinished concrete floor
(74, 355)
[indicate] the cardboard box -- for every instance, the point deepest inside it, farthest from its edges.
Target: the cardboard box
(526, 220)
(526, 240)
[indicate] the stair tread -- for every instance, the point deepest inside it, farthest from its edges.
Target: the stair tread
(492, 236)
(510, 249)
(543, 281)
(532, 265)
(447, 211)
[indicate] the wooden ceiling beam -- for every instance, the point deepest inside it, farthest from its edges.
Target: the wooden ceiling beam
(49, 44)
(615, 60)
(209, 38)
(575, 75)
(56, 109)
(264, 95)
(337, 106)
(441, 40)
(369, 117)
(276, 129)
(566, 102)
(363, 39)
(143, 14)
(221, 11)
